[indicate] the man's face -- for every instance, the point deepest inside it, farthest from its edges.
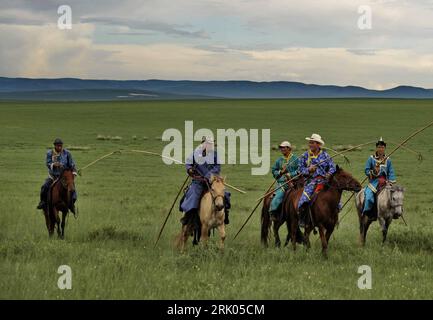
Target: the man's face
(313, 145)
(58, 147)
(285, 151)
(380, 150)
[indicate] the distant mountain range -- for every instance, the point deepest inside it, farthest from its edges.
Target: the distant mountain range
(70, 89)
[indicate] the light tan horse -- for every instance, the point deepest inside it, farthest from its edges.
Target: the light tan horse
(211, 214)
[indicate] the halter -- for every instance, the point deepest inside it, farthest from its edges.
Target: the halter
(209, 186)
(339, 186)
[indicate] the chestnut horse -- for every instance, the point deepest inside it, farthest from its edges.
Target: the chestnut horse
(281, 217)
(59, 200)
(211, 213)
(324, 210)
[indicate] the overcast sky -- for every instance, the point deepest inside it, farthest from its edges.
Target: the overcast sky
(313, 41)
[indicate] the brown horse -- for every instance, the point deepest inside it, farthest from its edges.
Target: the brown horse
(59, 200)
(280, 218)
(211, 214)
(324, 210)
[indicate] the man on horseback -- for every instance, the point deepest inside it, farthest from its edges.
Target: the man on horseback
(57, 159)
(379, 171)
(283, 170)
(317, 167)
(201, 165)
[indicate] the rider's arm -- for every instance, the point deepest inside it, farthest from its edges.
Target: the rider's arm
(293, 166)
(49, 160)
(390, 172)
(276, 169)
(189, 164)
(216, 168)
(331, 166)
(368, 168)
(70, 163)
(303, 167)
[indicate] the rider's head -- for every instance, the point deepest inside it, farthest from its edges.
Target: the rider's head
(285, 148)
(315, 142)
(380, 147)
(58, 145)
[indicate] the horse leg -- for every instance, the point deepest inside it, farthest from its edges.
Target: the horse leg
(293, 230)
(52, 219)
(387, 222)
(307, 231)
(183, 238)
(329, 231)
(289, 235)
(57, 221)
(276, 226)
(205, 234)
(222, 233)
(324, 242)
(48, 221)
(64, 214)
(366, 225)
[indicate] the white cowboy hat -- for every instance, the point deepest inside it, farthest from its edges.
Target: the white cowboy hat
(285, 144)
(316, 137)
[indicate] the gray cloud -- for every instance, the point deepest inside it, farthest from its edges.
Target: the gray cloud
(168, 29)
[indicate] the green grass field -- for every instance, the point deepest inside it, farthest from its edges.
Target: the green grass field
(124, 199)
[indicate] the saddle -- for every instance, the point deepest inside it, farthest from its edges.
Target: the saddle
(320, 187)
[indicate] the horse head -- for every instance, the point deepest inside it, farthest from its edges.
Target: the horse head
(217, 190)
(396, 196)
(67, 180)
(343, 180)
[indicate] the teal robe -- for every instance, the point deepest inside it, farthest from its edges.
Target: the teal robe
(292, 170)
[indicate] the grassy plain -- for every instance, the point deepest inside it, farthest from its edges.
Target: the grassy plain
(124, 198)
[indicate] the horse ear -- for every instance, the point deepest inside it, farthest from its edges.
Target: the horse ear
(338, 167)
(212, 178)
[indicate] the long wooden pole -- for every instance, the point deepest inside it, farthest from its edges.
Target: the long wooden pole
(297, 176)
(257, 205)
(252, 212)
(384, 159)
(169, 212)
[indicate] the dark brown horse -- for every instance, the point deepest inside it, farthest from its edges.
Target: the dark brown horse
(280, 218)
(324, 210)
(59, 200)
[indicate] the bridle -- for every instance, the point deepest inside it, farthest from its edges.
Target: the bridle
(338, 185)
(214, 197)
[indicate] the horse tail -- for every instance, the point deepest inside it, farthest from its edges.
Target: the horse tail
(265, 222)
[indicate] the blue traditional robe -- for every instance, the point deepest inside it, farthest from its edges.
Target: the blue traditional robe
(65, 159)
(325, 167)
(386, 173)
(206, 165)
(291, 164)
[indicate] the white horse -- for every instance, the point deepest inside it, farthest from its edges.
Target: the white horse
(211, 213)
(389, 205)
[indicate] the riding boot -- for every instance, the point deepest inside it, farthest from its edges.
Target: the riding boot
(304, 213)
(43, 202)
(299, 236)
(188, 217)
(226, 216)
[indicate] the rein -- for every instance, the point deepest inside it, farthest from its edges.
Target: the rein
(209, 187)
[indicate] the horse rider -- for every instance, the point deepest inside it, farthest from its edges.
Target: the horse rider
(379, 171)
(317, 167)
(283, 170)
(57, 159)
(200, 166)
